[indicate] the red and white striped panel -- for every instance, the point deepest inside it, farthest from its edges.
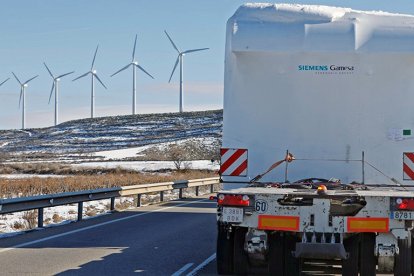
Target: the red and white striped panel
(408, 165)
(233, 162)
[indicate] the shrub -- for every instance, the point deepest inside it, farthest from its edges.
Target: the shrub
(56, 218)
(30, 219)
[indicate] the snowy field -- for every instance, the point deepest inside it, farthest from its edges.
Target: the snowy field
(148, 166)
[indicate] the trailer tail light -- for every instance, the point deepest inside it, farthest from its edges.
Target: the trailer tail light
(233, 200)
(404, 203)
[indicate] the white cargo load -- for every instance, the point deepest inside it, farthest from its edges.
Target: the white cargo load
(324, 83)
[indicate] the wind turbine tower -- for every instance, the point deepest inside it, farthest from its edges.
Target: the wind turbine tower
(180, 59)
(93, 76)
(55, 86)
(22, 98)
(135, 65)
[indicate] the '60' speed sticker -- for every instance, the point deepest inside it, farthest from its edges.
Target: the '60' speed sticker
(260, 206)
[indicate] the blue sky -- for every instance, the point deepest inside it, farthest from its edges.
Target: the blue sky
(65, 33)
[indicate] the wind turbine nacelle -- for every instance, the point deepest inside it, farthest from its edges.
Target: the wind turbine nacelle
(93, 71)
(25, 85)
(135, 62)
(58, 79)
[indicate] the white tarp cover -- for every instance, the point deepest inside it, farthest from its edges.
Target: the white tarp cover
(323, 83)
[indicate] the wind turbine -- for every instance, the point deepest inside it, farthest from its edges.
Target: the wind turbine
(4, 81)
(55, 85)
(23, 87)
(93, 76)
(180, 58)
(135, 65)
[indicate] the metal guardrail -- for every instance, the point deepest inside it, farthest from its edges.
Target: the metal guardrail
(44, 201)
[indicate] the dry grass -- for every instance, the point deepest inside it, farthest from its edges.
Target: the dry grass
(56, 218)
(10, 188)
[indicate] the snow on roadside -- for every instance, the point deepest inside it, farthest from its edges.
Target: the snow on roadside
(150, 165)
(14, 223)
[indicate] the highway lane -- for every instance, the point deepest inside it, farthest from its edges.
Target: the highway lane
(174, 237)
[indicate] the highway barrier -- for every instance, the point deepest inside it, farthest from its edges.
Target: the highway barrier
(40, 202)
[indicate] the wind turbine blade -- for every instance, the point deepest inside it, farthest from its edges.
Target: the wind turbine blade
(175, 66)
(172, 42)
(81, 76)
(51, 91)
(122, 69)
(30, 80)
(195, 50)
(133, 51)
(143, 70)
(17, 78)
(61, 76)
(50, 73)
(96, 76)
(4, 81)
(94, 56)
(21, 93)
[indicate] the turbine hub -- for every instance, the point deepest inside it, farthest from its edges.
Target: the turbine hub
(135, 62)
(25, 85)
(58, 79)
(93, 71)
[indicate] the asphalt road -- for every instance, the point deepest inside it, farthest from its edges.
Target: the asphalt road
(175, 238)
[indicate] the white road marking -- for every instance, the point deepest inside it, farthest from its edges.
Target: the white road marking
(202, 265)
(94, 226)
(181, 271)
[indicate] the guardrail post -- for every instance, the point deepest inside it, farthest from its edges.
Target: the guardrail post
(212, 188)
(197, 190)
(40, 217)
(162, 196)
(139, 200)
(112, 203)
(180, 193)
(80, 210)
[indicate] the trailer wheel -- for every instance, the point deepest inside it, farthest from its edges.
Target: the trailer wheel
(350, 265)
(293, 265)
(368, 261)
(225, 245)
(240, 259)
(402, 265)
(275, 256)
(412, 253)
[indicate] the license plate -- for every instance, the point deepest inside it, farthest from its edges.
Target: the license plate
(232, 214)
(404, 215)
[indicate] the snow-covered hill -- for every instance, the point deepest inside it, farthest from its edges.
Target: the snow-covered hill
(81, 137)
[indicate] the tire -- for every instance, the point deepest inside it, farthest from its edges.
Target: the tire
(276, 260)
(412, 253)
(350, 265)
(403, 261)
(225, 249)
(293, 265)
(368, 261)
(240, 258)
